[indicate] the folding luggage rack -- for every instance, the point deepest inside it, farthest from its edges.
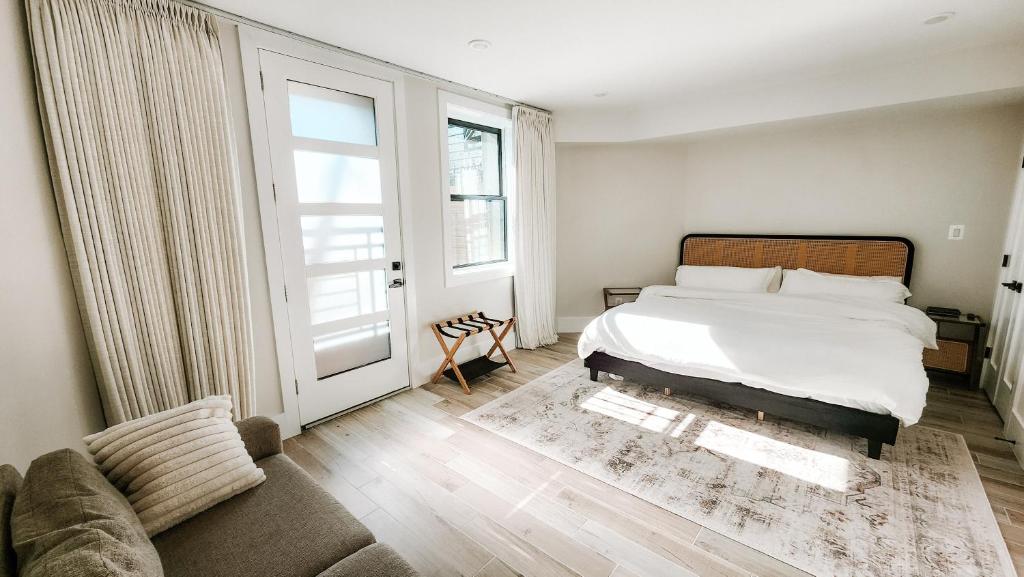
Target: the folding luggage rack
(459, 329)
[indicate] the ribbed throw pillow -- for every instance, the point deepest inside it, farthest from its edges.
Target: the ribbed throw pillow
(177, 463)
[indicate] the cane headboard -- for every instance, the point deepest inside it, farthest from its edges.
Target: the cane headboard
(853, 255)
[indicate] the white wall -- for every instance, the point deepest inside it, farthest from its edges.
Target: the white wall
(48, 397)
(434, 301)
(909, 171)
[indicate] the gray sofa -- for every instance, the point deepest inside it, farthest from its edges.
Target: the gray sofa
(286, 526)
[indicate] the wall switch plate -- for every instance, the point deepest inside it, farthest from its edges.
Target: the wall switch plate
(956, 232)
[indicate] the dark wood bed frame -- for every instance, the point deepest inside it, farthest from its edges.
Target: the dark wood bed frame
(876, 428)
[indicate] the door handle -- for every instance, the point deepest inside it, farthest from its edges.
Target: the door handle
(399, 283)
(1015, 286)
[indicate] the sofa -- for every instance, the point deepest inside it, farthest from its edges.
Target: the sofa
(286, 526)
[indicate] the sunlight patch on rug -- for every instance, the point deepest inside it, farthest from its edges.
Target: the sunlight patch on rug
(614, 404)
(819, 468)
(796, 492)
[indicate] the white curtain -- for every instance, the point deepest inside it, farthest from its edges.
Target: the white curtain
(136, 122)
(535, 228)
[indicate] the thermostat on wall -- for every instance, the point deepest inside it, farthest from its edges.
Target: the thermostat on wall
(956, 232)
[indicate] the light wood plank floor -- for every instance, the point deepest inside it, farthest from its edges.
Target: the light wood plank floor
(454, 499)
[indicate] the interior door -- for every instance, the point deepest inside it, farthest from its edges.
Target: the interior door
(332, 147)
(1003, 370)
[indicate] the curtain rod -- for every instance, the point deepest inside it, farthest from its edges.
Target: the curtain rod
(238, 19)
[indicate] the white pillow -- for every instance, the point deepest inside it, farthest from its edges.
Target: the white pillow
(899, 279)
(176, 463)
(807, 282)
(726, 278)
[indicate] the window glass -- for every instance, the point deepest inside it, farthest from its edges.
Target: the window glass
(328, 177)
(342, 296)
(474, 161)
(352, 348)
(333, 115)
(333, 239)
(478, 231)
(477, 211)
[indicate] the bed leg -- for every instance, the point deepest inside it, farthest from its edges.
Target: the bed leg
(760, 415)
(874, 449)
(593, 374)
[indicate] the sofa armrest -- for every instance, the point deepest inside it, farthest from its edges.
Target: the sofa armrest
(261, 435)
(377, 560)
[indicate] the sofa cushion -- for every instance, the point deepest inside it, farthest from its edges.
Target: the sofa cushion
(176, 463)
(68, 520)
(377, 560)
(286, 526)
(10, 480)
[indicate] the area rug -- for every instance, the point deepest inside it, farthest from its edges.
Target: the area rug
(805, 496)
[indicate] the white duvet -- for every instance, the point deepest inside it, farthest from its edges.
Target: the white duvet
(860, 354)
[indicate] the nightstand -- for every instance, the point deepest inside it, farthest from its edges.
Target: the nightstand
(614, 297)
(959, 340)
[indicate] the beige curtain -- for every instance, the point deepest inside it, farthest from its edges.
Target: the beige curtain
(535, 228)
(135, 116)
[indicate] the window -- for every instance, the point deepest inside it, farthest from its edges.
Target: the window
(477, 201)
(475, 167)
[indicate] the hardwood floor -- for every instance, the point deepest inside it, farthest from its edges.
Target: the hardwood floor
(454, 499)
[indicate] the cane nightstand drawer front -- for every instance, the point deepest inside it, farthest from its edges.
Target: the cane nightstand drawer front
(952, 356)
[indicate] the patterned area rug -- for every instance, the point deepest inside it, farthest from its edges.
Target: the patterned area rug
(800, 494)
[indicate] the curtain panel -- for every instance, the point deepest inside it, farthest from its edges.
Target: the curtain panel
(135, 117)
(535, 228)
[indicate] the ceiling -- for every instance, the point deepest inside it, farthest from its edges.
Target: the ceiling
(655, 58)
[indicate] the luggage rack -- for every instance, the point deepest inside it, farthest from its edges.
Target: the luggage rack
(459, 329)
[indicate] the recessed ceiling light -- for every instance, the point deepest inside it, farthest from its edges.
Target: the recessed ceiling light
(600, 94)
(479, 44)
(940, 18)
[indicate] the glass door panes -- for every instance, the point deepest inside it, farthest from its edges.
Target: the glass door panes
(332, 115)
(332, 239)
(341, 214)
(339, 178)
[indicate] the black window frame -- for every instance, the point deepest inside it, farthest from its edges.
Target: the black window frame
(500, 197)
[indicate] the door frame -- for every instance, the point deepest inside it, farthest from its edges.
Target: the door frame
(1013, 421)
(251, 41)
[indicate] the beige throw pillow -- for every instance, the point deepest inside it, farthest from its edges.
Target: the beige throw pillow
(177, 463)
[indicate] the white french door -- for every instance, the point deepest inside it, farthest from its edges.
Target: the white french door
(332, 148)
(1003, 371)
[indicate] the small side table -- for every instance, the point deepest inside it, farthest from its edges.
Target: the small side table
(959, 340)
(614, 297)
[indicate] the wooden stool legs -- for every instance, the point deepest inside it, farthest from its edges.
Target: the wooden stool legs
(449, 354)
(501, 347)
(449, 358)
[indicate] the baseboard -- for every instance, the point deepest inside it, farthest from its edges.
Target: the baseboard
(573, 324)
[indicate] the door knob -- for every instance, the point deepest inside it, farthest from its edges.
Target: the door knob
(399, 283)
(1015, 286)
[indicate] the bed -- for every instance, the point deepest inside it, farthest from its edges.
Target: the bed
(851, 367)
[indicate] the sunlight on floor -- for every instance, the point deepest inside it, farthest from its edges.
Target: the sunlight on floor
(822, 469)
(631, 410)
